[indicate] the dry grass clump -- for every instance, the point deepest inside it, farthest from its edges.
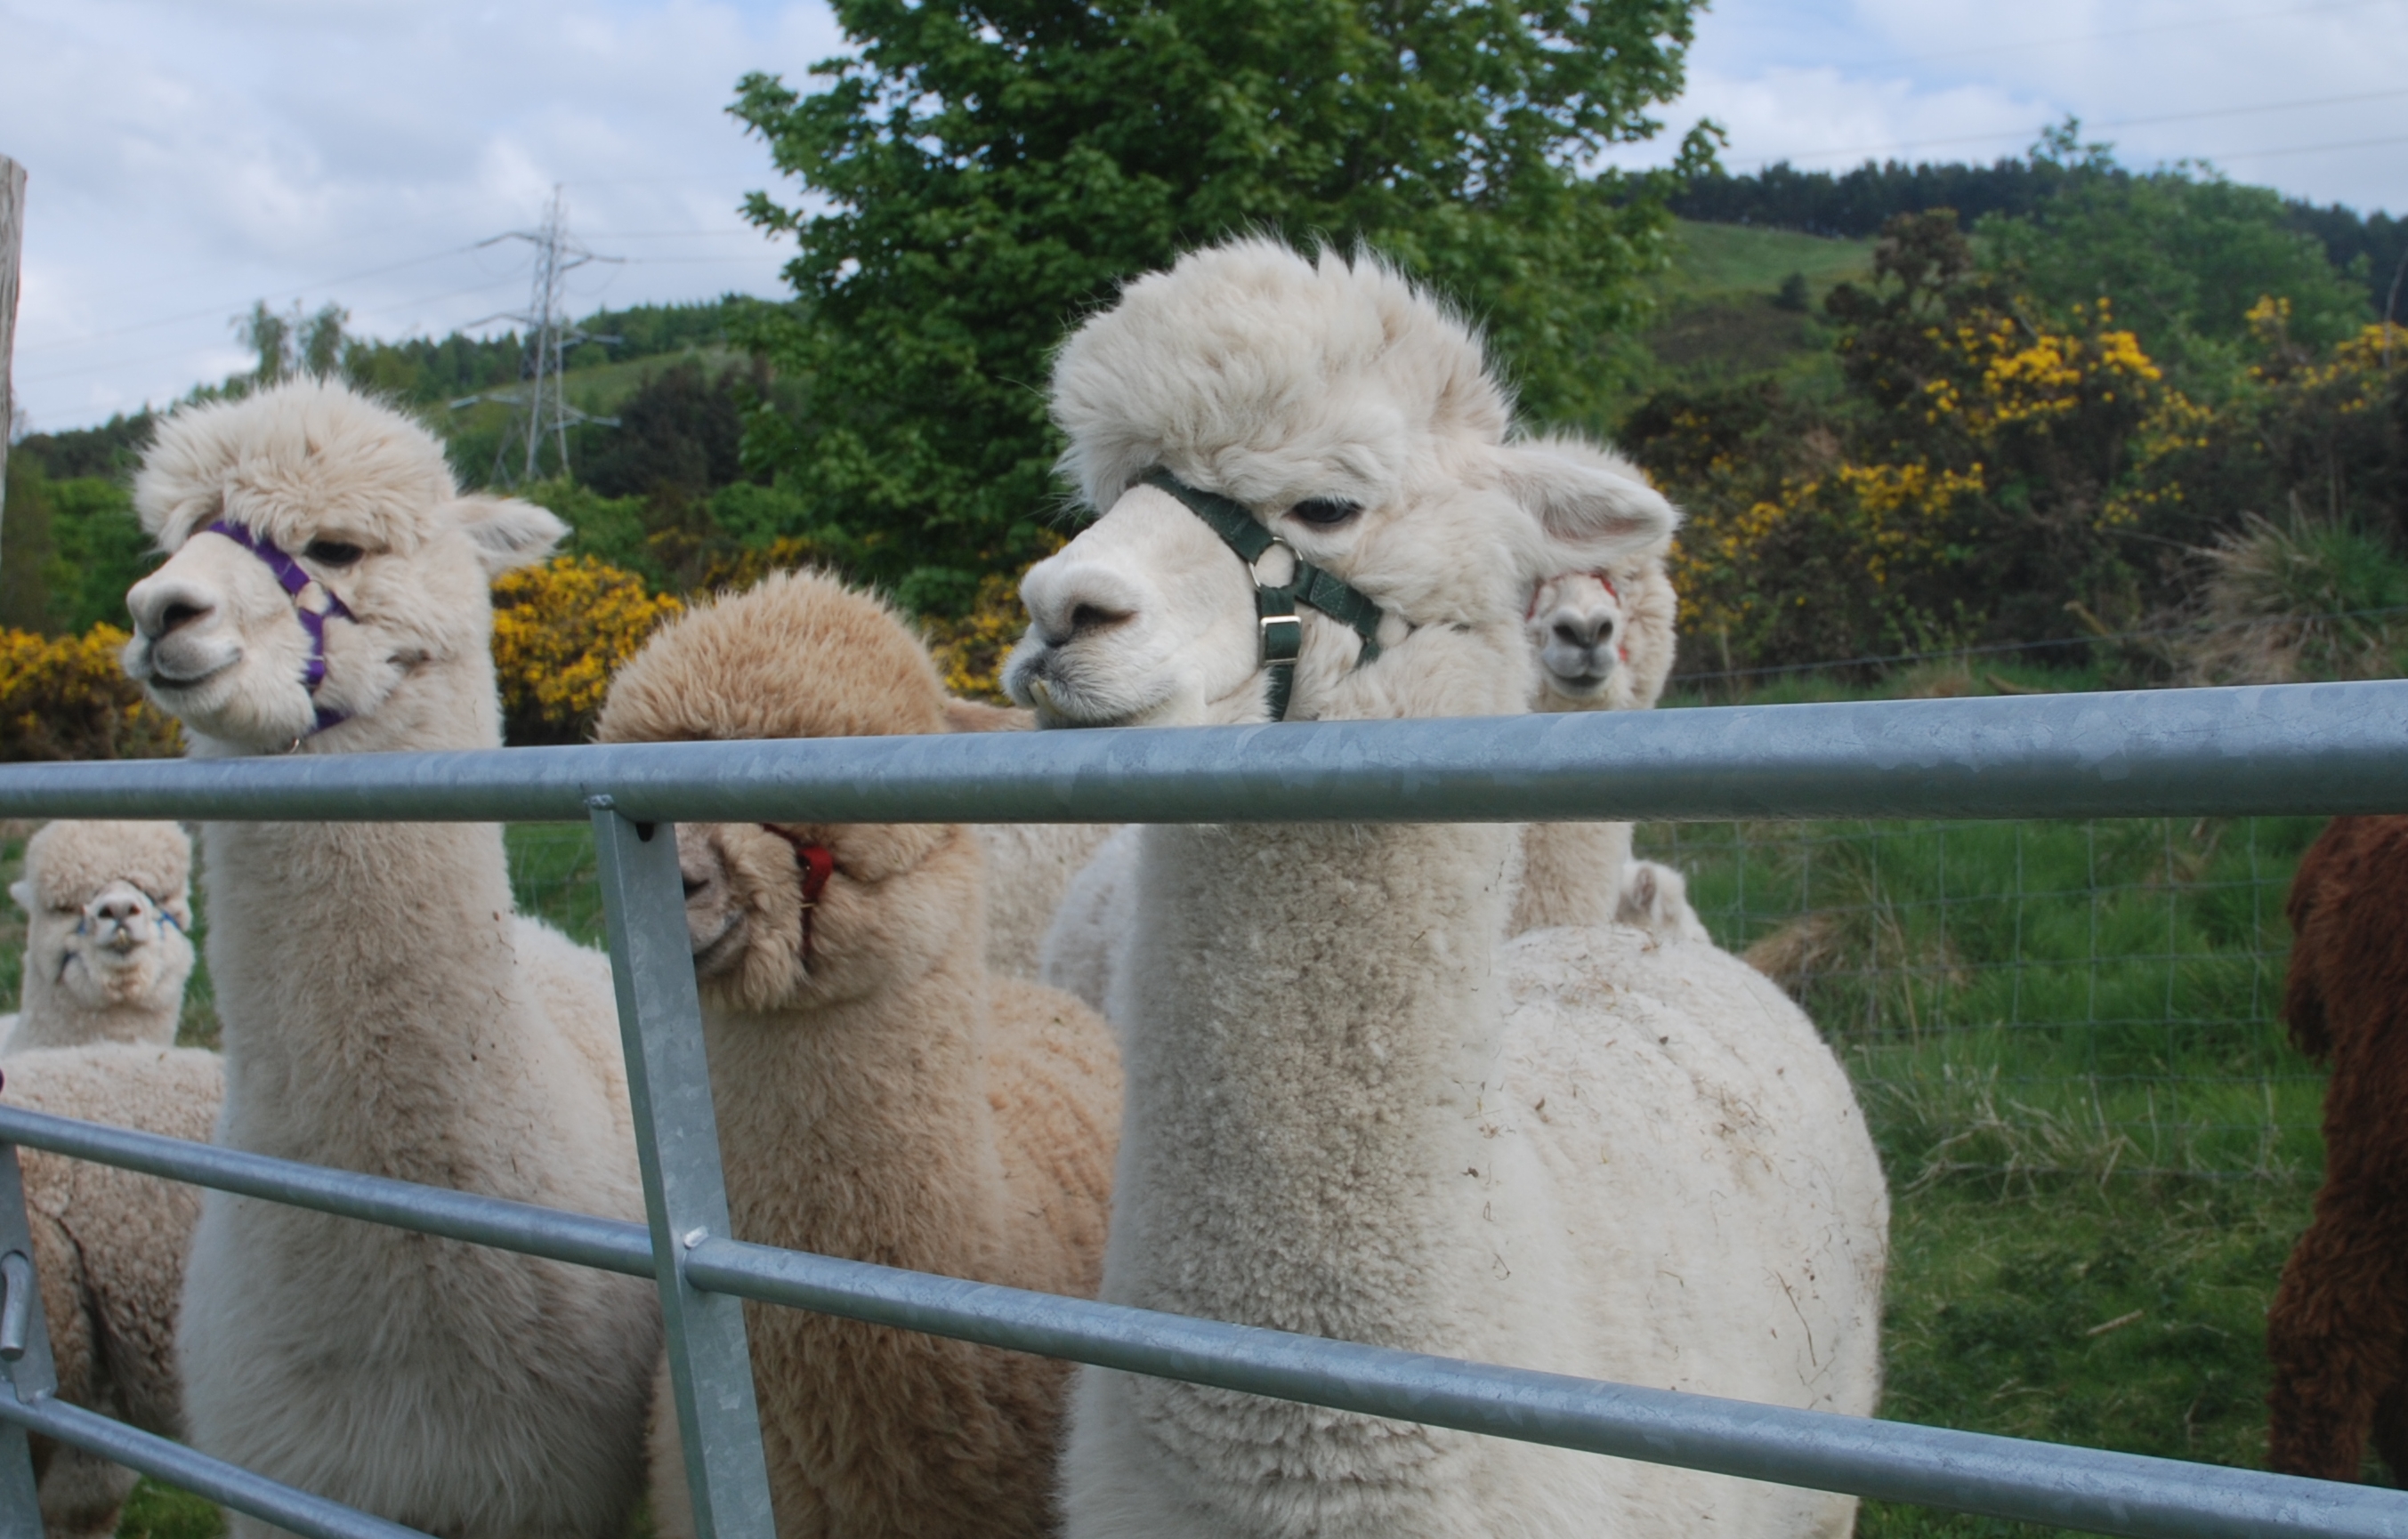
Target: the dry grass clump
(2292, 602)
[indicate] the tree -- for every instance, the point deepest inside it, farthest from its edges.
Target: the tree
(2183, 254)
(987, 169)
(291, 342)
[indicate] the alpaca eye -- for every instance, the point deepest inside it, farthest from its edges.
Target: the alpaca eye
(332, 553)
(1324, 512)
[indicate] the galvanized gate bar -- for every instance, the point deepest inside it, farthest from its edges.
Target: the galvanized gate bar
(1995, 1476)
(1889, 1461)
(2302, 749)
(236, 1488)
(24, 1352)
(607, 1245)
(686, 1195)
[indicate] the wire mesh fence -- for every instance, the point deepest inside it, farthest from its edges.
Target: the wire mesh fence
(2023, 998)
(2028, 997)
(2017, 997)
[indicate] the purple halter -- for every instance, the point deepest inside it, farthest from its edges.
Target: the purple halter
(294, 582)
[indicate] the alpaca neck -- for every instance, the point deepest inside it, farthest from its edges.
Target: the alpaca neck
(52, 1017)
(1310, 1023)
(877, 1110)
(364, 974)
(1572, 875)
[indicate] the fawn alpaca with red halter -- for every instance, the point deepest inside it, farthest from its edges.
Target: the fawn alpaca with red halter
(881, 1096)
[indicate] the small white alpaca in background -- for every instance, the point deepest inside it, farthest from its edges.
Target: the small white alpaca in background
(108, 1247)
(107, 958)
(1605, 641)
(1353, 1110)
(384, 1009)
(108, 906)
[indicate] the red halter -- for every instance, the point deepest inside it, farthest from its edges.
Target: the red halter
(818, 864)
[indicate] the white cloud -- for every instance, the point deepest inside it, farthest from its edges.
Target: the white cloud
(184, 162)
(2275, 93)
(187, 160)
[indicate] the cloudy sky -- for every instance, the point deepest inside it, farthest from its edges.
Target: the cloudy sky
(186, 159)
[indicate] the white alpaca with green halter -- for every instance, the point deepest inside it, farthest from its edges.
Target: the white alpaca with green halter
(1353, 1110)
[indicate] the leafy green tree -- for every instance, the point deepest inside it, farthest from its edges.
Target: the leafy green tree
(987, 169)
(2181, 253)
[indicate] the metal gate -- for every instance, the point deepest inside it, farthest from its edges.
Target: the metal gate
(2288, 749)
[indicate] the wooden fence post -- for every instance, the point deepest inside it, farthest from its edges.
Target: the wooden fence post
(12, 240)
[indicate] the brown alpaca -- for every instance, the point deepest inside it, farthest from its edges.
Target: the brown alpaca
(2338, 1333)
(882, 1095)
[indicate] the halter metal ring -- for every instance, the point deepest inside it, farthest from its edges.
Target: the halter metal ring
(1295, 562)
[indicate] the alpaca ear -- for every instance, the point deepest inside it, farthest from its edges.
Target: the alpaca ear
(508, 533)
(21, 892)
(1579, 500)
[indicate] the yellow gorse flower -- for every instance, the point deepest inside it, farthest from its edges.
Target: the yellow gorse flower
(561, 629)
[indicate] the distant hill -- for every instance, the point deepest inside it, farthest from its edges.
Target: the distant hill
(1854, 205)
(1737, 300)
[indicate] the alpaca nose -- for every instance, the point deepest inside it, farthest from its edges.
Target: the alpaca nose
(162, 605)
(1076, 599)
(1585, 632)
(117, 907)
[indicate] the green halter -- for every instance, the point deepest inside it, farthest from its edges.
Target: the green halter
(1283, 628)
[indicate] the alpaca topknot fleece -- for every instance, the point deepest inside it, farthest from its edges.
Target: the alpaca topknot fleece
(1254, 369)
(67, 862)
(307, 455)
(797, 655)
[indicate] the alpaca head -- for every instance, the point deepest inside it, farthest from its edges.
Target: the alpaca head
(1355, 418)
(108, 906)
(801, 655)
(1631, 609)
(1575, 625)
(310, 486)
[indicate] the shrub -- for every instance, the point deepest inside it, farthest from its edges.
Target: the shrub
(970, 650)
(560, 630)
(66, 697)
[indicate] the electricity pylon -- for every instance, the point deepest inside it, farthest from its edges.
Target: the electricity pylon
(545, 410)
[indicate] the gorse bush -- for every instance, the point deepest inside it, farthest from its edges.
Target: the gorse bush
(66, 697)
(560, 630)
(1998, 470)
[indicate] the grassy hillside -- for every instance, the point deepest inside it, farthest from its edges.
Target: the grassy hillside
(1720, 311)
(1727, 262)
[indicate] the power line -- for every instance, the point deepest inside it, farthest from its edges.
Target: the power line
(2120, 122)
(221, 310)
(2191, 24)
(187, 351)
